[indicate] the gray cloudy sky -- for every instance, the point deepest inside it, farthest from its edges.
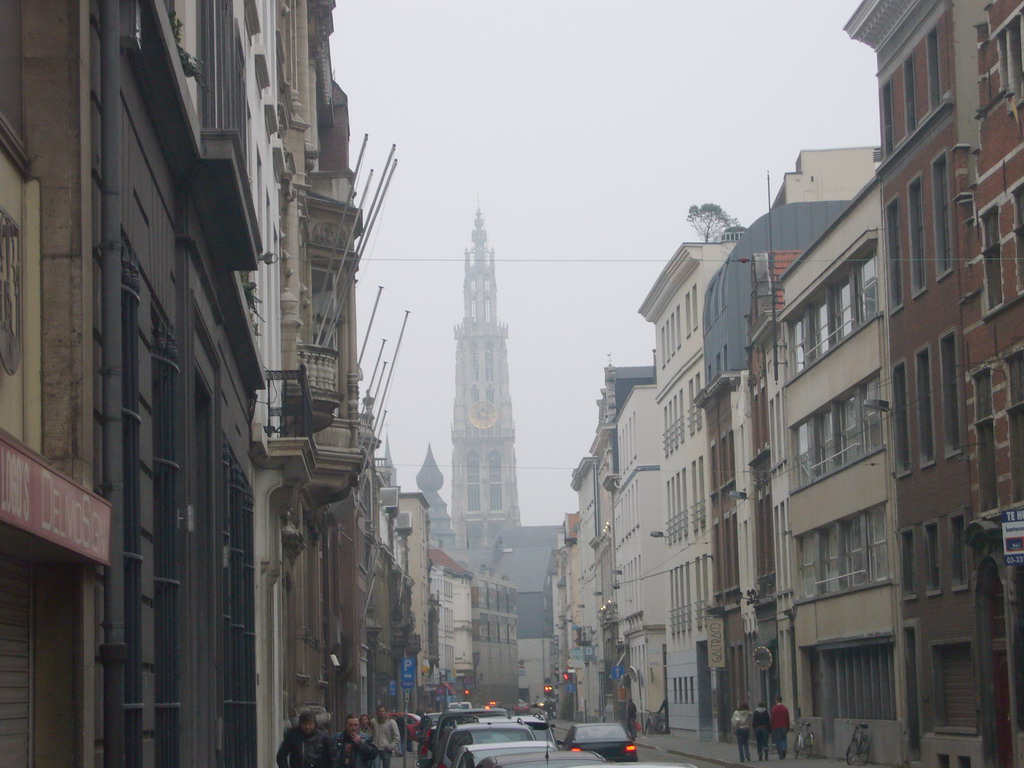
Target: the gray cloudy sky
(587, 129)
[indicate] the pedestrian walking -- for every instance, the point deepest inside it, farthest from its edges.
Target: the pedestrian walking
(780, 726)
(631, 719)
(365, 728)
(385, 736)
(403, 732)
(352, 749)
(741, 719)
(306, 746)
(762, 724)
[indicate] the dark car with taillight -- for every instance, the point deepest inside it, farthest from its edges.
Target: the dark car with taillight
(609, 740)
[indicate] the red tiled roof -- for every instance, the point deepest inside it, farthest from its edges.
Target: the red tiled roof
(441, 558)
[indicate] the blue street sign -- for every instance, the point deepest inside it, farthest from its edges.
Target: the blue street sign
(618, 671)
(570, 687)
(408, 672)
(392, 688)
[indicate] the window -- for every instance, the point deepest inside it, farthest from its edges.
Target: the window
(901, 427)
(10, 64)
(950, 393)
(887, 137)
(1010, 57)
(985, 433)
(940, 214)
(838, 435)
(934, 84)
(494, 477)
(473, 482)
(910, 94)
(1015, 414)
(489, 363)
(925, 426)
(931, 556)
(916, 223)
(907, 554)
(689, 327)
(865, 682)
(867, 290)
(844, 554)
(991, 257)
(892, 244)
(957, 551)
(1018, 211)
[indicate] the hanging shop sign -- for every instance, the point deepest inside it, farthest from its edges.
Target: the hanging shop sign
(35, 498)
(1013, 536)
(716, 642)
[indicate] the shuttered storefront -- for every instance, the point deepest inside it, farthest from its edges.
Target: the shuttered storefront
(15, 661)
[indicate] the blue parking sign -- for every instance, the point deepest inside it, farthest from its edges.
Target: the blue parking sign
(392, 688)
(408, 672)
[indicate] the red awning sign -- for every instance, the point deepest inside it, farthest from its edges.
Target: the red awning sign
(35, 498)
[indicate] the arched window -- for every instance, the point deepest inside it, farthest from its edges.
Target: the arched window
(490, 394)
(494, 478)
(487, 310)
(473, 481)
(474, 394)
(476, 364)
(489, 363)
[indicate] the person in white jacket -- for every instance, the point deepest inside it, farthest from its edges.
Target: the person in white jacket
(385, 736)
(741, 727)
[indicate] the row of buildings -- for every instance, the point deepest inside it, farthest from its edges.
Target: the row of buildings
(198, 535)
(806, 493)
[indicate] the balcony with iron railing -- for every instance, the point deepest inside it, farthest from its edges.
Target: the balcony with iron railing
(676, 525)
(289, 405)
(673, 435)
(700, 611)
(698, 515)
(830, 456)
(675, 618)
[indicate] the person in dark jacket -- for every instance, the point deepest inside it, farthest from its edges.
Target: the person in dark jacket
(762, 722)
(306, 746)
(353, 751)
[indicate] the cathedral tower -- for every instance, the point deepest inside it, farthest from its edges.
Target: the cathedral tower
(485, 496)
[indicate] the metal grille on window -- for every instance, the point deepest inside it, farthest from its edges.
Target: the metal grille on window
(131, 420)
(10, 294)
(239, 636)
(166, 578)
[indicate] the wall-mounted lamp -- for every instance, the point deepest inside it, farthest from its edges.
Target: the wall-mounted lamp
(267, 258)
(617, 571)
(741, 495)
(657, 534)
(598, 593)
(616, 586)
(881, 406)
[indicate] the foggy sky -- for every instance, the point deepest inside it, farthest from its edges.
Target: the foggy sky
(587, 129)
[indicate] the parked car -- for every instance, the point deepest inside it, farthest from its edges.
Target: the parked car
(609, 740)
(521, 708)
(507, 759)
(460, 705)
(448, 719)
(538, 724)
(427, 723)
(487, 732)
(470, 755)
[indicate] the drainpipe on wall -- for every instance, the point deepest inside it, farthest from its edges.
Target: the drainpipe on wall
(113, 651)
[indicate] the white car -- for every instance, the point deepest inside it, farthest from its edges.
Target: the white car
(460, 705)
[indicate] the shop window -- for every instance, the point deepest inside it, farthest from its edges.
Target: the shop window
(991, 257)
(940, 215)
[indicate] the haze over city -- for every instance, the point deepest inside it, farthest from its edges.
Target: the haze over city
(583, 131)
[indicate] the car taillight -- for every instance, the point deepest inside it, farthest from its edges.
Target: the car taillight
(575, 749)
(630, 748)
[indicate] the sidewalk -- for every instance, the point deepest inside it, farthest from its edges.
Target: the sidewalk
(716, 752)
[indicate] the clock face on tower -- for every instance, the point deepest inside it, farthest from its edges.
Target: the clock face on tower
(483, 414)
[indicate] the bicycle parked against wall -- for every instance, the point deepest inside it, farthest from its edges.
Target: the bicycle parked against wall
(804, 746)
(655, 722)
(860, 744)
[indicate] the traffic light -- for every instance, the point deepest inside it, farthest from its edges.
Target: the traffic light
(548, 689)
(466, 691)
(565, 676)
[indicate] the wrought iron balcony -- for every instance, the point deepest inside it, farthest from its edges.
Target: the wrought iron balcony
(289, 406)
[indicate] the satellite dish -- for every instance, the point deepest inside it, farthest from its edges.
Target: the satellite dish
(762, 657)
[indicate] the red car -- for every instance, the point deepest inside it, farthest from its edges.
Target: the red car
(412, 724)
